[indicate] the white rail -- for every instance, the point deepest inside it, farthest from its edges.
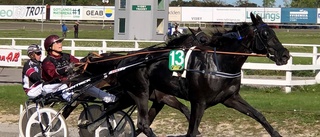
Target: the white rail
(286, 81)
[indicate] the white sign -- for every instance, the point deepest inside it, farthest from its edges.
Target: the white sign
(268, 15)
(198, 14)
(318, 15)
(228, 14)
(22, 12)
(66, 12)
(10, 57)
(98, 13)
(175, 14)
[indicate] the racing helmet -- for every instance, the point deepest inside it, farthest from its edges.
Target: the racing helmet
(50, 40)
(34, 48)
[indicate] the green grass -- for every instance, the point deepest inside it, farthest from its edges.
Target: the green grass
(85, 34)
(298, 36)
(11, 97)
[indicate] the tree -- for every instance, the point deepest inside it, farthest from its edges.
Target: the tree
(305, 3)
(268, 3)
(241, 2)
(286, 3)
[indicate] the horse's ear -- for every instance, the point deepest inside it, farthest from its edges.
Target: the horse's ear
(199, 29)
(259, 18)
(190, 29)
(253, 19)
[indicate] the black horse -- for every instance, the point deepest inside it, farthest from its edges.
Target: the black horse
(98, 64)
(211, 78)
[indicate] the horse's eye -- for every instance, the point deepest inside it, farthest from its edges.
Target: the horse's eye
(265, 34)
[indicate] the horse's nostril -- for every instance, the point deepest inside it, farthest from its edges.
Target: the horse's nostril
(285, 56)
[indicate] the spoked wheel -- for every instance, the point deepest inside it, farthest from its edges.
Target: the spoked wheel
(24, 117)
(121, 124)
(88, 115)
(46, 122)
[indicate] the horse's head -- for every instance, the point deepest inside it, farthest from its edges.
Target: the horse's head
(199, 36)
(265, 41)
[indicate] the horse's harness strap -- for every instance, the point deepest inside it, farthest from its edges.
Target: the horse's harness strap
(217, 73)
(216, 58)
(130, 55)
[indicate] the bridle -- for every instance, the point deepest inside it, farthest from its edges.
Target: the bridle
(258, 33)
(195, 36)
(257, 39)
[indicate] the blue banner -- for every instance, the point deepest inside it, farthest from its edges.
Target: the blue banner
(298, 15)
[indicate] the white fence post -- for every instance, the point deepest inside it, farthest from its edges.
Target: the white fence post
(73, 45)
(289, 76)
(13, 43)
(316, 61)
(43, 49)
(136, 44)
(315, 55)
(104, 46)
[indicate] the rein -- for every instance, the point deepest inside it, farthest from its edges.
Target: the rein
(166, 50)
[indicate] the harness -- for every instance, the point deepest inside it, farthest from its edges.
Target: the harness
(61, 62)
(215, 73)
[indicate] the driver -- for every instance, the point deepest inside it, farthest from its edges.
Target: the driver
(31, 72)
(55, 69)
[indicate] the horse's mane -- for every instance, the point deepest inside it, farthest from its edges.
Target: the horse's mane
(236, 28)
(177, 41)
(169, 45)
(217, 38)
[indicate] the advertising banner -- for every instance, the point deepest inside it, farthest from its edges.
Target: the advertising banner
(10, 57)
(175, 14)
(228, 14)
(268, 15)
(66, 12)
(98, 13)
(22, 12)
(298, 15)
(198, 14)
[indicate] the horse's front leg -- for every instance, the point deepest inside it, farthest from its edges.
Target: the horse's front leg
(143, 123)
(238, 103)
(153, 112)
(197, 110)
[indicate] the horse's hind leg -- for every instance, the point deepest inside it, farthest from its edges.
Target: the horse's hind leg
(170, 101)
(238, 103)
